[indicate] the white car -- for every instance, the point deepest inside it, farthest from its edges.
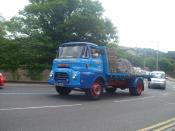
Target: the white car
(157, 79)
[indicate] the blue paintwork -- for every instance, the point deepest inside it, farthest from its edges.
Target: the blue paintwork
(85, 77)
(133, 81)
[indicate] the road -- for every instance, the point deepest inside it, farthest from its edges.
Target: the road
(37, 107)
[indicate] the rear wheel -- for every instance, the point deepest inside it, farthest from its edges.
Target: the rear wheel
(137, 91)
(149, 85)
(163, 88)
(110, 90)
(96, 90)
(62, 90)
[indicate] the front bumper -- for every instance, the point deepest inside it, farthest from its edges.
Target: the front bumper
(65, 77)
(157, 84)
(75, 79)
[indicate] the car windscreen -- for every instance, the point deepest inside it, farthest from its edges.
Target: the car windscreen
(73, 51)
(158, 75)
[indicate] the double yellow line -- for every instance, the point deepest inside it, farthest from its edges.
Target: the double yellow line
(160, 126)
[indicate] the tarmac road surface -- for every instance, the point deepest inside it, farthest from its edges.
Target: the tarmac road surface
(38, 107)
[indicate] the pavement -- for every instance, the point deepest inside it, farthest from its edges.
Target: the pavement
(171, 78)
(38, 107)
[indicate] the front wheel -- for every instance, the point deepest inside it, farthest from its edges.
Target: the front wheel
(149, 86)
(163, 88)
(95, 91)
(63, 90)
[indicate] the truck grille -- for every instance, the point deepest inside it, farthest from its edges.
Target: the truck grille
(61, 76)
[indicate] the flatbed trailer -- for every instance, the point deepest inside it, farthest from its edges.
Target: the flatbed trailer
(90, 68)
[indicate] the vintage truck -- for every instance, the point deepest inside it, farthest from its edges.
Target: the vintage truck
(90, 68)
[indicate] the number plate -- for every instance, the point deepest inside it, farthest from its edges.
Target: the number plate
(60, 84)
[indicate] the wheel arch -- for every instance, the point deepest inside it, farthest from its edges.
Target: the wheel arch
(134, 88)
(96, 89)
(135, 81)
(100, 78)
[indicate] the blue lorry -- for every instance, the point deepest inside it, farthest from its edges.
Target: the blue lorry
(86, 67)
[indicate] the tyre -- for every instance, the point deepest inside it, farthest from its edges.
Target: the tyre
(137, 91)
(149, 85)
(163, 88)
(63, 90)
(96, 90)
(110, 90)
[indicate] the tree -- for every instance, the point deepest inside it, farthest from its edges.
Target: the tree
(61, 21)
(165, 64)
(16, 28)
(150, 63)
(2, 28)
(35, 33)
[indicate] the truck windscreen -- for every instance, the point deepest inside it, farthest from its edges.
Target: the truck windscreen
(74, 51)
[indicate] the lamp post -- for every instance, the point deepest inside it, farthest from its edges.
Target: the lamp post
(157, 60)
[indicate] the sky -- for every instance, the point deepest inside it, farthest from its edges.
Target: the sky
(140, 23)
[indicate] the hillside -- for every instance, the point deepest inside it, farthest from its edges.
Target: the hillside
(142, 51)
(147, 58)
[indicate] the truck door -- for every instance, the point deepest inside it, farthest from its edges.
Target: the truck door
(96, 59)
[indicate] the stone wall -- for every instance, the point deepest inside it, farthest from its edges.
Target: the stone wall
(22, 75)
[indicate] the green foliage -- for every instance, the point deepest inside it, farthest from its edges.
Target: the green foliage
(35, 74)
(36, 32)
(165, 64)
(9, 55)
(135, 60)
(15, 26)
(2, 28)
(26, 54)
(148, 56)
(112, 45)
(150, 62)
(65, 20)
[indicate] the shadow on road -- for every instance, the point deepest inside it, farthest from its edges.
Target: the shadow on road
(78, 97)
(1, 88)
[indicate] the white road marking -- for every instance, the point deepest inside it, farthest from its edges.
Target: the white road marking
(39, 107)
(136, 99)
(27, 93)
(170, 103)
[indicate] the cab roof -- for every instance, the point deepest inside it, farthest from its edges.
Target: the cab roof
(78, 43)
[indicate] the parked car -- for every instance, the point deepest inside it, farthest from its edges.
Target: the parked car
(157, 79)
(2, 79)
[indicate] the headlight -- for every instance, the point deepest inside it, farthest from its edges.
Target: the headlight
(51, 74)
(74, 75)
